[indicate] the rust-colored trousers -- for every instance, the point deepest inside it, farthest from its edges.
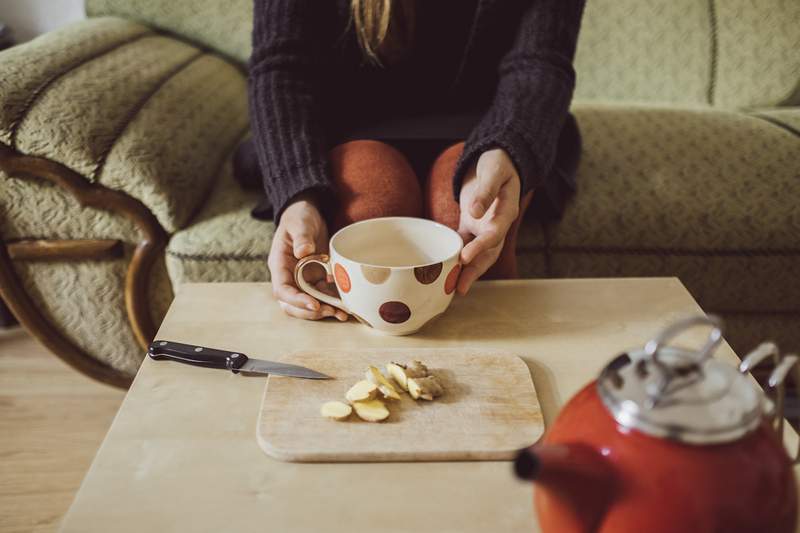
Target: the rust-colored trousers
(373, 179)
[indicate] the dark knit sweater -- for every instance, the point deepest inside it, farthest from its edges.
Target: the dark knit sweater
(507, 62)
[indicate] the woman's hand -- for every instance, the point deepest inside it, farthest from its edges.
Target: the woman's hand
(301, 232)
(489, 201)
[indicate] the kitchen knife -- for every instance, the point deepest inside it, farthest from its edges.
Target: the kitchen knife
(234, 361)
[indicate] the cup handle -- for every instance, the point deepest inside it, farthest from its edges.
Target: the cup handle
(325, 261)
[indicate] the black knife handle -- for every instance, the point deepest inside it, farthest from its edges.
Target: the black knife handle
(193, 354)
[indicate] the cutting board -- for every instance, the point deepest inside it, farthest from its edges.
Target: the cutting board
(489, 410)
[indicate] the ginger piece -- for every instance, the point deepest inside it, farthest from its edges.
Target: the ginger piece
(371, 410)
(400, 372)
(387, 389)
(426, 388)
(362, 391)
(335, 410)
(417, 369)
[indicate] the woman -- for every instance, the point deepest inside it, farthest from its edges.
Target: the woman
(353, 101)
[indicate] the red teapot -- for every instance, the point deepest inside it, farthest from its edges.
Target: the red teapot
(668, 439)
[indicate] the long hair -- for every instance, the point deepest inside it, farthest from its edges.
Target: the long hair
(384, 28)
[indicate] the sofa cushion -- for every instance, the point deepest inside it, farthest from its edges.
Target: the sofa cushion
(148, 115)
(727, 53)
(644, 51)
(756, 52)
(785, 117)
(54, 53)
(223, 243)
(222, 26)
(708, 195)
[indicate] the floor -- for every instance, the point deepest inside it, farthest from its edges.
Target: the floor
(52, 421)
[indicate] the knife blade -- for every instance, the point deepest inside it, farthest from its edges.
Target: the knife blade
(236, 362)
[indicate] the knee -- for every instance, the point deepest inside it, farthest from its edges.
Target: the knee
(373, 179)
(440, 204)
(444, 166)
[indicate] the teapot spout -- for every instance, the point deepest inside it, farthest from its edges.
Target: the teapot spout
(575, 483)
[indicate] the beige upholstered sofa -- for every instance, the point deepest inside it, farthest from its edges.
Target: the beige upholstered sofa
(116, 188)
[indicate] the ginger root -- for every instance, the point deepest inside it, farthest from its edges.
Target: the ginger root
(426, 388)
(371, 410)
(417, 369)
(362, 391)
(335, 410)
(387, 389)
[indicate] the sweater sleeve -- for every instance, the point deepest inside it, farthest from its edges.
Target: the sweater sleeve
(534, 89)
(284, 107)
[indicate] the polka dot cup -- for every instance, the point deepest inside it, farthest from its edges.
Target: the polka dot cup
(394, 274)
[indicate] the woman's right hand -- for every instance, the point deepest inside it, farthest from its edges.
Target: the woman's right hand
(302, 231)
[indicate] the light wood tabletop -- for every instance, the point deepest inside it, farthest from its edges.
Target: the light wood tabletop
(182, 454)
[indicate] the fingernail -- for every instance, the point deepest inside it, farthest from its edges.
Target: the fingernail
(311, 307)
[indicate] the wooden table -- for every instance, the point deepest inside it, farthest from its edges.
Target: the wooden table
(181, 454)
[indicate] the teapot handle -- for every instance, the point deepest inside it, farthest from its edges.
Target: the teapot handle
(777, 381)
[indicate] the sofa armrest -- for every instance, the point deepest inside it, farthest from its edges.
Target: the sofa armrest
(126, 108)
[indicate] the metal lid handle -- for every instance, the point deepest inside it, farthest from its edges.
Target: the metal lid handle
(659, 390)
(777, 381)
(653, 347)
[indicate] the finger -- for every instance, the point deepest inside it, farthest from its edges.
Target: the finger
(324, 286)
(507, 206)
(331, 290)
(480, 244)
(491, 179)
(468, 276)
(466, 235)
(305, 314)
(291, 295)
(285, 290)
(479, 266)
(302, 244)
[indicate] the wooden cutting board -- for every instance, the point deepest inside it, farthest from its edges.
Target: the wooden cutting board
(489, 410)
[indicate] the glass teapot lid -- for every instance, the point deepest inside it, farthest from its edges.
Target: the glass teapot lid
(682, 394)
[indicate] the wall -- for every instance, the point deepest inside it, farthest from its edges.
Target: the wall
(29, 18)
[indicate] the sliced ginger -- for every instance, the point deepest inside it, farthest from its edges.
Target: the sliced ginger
(426, 388)
(387, 389)
(400, 372)
(336, 410)
(371, 410)
(362, 391)
(363, 396)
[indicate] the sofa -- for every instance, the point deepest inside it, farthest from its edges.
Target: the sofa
(116, 187)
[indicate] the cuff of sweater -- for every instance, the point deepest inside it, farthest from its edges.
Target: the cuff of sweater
(315, 184)
(516, 146)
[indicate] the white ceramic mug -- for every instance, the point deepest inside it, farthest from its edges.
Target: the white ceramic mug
(394, 274)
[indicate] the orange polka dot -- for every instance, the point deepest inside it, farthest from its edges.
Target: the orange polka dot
(452, 279)
(342, 279)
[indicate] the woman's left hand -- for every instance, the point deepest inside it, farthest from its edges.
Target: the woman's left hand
(489, 201)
